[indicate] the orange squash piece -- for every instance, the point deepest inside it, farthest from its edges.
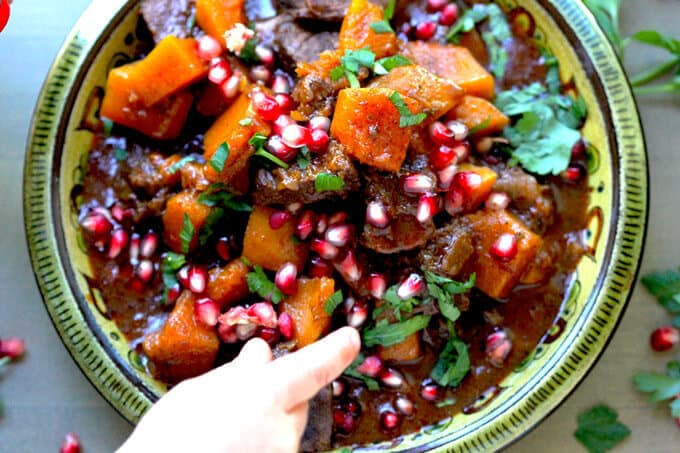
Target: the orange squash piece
(227, 285)
(476, 196)
(406, 351)
(356, 32)
(474, 111)
(215, 17)
(185, 202)
(495, 277)
(455, 63)
(366, 122)
(322, 67)
(307, 308)
(272, 248)
(183, 347)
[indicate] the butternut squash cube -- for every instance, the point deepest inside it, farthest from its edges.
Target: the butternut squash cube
(356, 32)
(185, 202)
(307, 308)
(227, 285)
(406, 351)
(215, 17)
(477, 195)
(474, 112)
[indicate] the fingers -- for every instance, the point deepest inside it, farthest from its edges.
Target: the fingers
(306, 371)
(255, 352)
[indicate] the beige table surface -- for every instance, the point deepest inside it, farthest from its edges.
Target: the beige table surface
(47, 396)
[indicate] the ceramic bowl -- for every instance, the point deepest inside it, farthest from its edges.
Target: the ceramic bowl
(62, 132)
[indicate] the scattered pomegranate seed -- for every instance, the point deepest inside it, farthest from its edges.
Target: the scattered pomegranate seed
(349, 268)
(338, 218)
(232, 86)
(449, 15)
(286, 326)
(173, 294)
(467, 181)
(120, 214)
(389, 420)
(321, 224)
(183, 276)
(371, 366)
(149, 245)
(404, 405)
(278, 219)
(376, 214)
(344, 421)
(119, 240)
(318, 267)
(338, 387)
(137, 285)
(497, 348)
(411, 287)
(391, 378)
(208, 48)
(325, 249)
(280, 84)
(286, 102)
(97, 223)
(377, 284)
(436, 5)
(207, 311)
(339, 235)
(442, 156)
(135, 242)
(353, 407)
(574, 174)
(430, 391)
(505, 247)
(664, 338)
(269, 335)
(320, 123)
(265, 54)
(458, 129)
(295, 136)
(220, 70)
(462, 151)
(305, 225)
(260, 73)
(13, 348)
(425, 30)
(263, 314)
(453, 203)
(441, 134)
(428, 206)
(286, 279)
(198, 277)
(318, 140)
(498, 201)
(145, 270)
(265, 106)
(276, 146)
(357, 315)
(281, 122)
(223, 248)
(446, 175)
(71, 444)
(578, 150)
(417, 183)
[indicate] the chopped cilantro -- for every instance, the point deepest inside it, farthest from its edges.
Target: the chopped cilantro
(599, 430)
(552, 78)
(665, 286)
(398, 305)
(386, 334)
(662, 386)
(259, 283)
(220, 157)
(467, 21)
(384, 26)
(442, 289)
(351, 371)
(107, 125)
(174, 168)
(211, 222)
(187, 233)
(326, 182)
(407, 118)
(303, 158)
(495, 37)
(385, 65)
(248, 54)
(216, 195)
(446, 402)
(351, 63)
(172, 262)
(246, 122)
(258, 141)
(453, 363)
(333, 302)
(120, 154)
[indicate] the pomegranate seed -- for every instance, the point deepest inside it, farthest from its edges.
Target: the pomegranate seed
(119, 213)
(320, 123)
(322, 224)
(149, 245)
(278, 219)
(339, 235)
(406, 29)
(318, 140)
(441, 134)
(271, 336)
(208, 48)
(295, 136)
(349, 268)
(357, 315)
(430, 392)
(344, 421)
(183, 276)
(578, 150)
(428, 205)
(232, 86)
(264, 314)
(281, 84)
(376, 214)
(497, 348)
(338, 387)
(137, 285)
(404, 405)
(389, 420)
(458, 130)
(505, 247)
(442, 156)
(391, 378)
(71, 444)
(245, 331)
(286, 102)
(446, 175)
(219, 71)
(135, 242)
(266, 106)
(265, 54)
(453, 203)
(371, 366)
(173, 294)
(498, 201)
(223, 248)
(449, 15)
(436, 5)
(286, 279)
(417, 183)
(574, 174)
(348, 304)
(412, 286)
(377, 284)
(12, 348)
(281, 122)
(260, 73)
(206, 311)
(97, 223)
(425, 30)
(462, 151)
(295, 207)
(119, 240)
(276, 146)
(467, 181)
(325, 249)
(352, 407)
(145, 270)
(318, 267)
(198, 277)
(664, 338)
(286, 326)
(305, 225)
(338, 218)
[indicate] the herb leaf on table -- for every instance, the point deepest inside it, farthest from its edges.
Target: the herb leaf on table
(665, 286)
(599, 430)
(661, 387)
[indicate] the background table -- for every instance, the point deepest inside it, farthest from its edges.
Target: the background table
(47, 396)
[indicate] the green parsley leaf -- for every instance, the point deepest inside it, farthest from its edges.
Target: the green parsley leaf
(174, 168)
(326, 182)
(382, 26)
(606, 13)
(333, 302)
(665, 286)
(386, 334)
(259, 283)
(187, 233)
(660, 386)
(599, 430)
(208, 229)
(495, 37)
(467, 21)
(385, 65)
(304, 158)
(246, 122)
(248, 53)
(272, 158)
(389, 9)
(397, 304)
(220, 157)
(407, 118)
(351, 63)
(120, 154)
(172, 262)
(107, 124)
(453, 364)
(351, 371)
(258, 140)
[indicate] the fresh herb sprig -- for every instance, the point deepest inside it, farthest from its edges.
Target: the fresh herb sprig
(406, 117)
(599, 429)
(662, 387)
(387, 334)
(170, 265)
(354, 60)
(453, 363)
(259, 283)
(665, 286)
(258, 141)
(384, 26)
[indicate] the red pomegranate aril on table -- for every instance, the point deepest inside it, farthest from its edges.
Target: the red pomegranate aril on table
(71, 444)
(149, 245)
(428, 206)
(389, 420)
(377, 215)
(295, 136)
(320, 123)
(12, 347)
(305, 225)
(286, 326)
(441, 134)
(349, 267)
(430, 391)
(442, 156)
(371, 366)
(220, 70)
(377, 284)
(265, 106)
(445, 176)
(145, 270)
(339, 235)
(497, 347)
(232, 86)
(119, 240)
(497, 201)
(281, 122)
(280, 84)
(434, 6)
(318, 140)
(318, 267)
(278, 219)
(467, 181)
(425, 30)
(453, 203)
(286, 102)
(286, 279)
(325, 249)
(338, 387)
(411, 287)
(391, 378)
(265, 54)
(208, 48)
(505, 247)
(449, 15)
(417, 183)
(206, 311)
(344, 421)
(664, 338)
(357, 315)
(198, 277)
(223, 248)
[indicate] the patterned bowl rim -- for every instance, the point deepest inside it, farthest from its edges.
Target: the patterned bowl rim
(118, 383)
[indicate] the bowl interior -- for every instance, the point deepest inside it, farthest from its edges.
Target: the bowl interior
(66, 118)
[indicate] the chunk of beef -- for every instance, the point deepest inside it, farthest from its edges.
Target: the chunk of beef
(315, 96)
(284, 186)
(169, 17)
(318, 10)
(449, 249)
(317, 435)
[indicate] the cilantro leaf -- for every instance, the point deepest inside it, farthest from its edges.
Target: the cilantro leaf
(217, 195)
(385, 65)
(386, 334)
(258, 141)
(495, 37)
(665, 286)
(172, 262)
(259, 283)
(351, 63)
(248, 53)
(174, 168)
(396, 303)
(187, 233)
(467, 21)
(452, 365)
(303, 158)
(656, 39)
(480, 126)
(407, 118)
(662, 386)
(351, 371)
(599, 430)
(326, 182)
(332, 302)
(211, 222)
(218, 159)
(442, 289)
(120, 154)
(606, 13)
(382, 26)
(107, 126)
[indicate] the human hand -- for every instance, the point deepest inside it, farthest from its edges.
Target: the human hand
(253, 404)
